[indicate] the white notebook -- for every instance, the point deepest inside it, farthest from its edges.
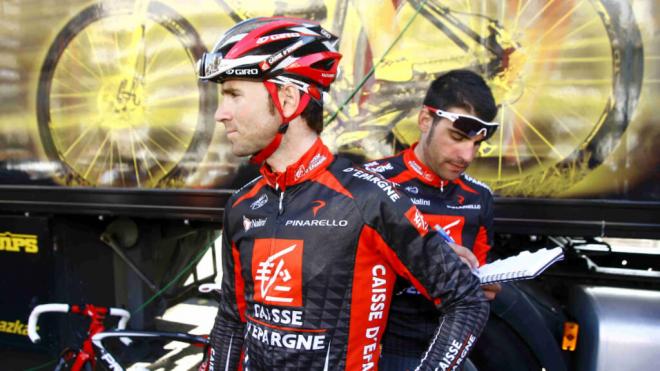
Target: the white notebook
(523, 266)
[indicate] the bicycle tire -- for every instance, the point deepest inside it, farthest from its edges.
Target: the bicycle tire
(195, 148)
(618, 21)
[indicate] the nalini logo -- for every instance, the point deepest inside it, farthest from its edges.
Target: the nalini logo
(318, 205)
(26, 243)
(420, 201)
(252, 223)
(461, 199)
(260, 202)
(277, 271)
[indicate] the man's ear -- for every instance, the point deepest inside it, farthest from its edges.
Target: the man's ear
(424, 120)
(289, 99)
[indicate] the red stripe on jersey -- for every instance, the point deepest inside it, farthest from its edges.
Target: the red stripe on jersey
(373, 282)
(417, 220)
(255, 189)
(327, 179)
(398, 266)
(464, 186)
(281, 328)
(481, 246)
(239, 285)
(402, 177)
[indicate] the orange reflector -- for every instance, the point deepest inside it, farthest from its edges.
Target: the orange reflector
(570, 336)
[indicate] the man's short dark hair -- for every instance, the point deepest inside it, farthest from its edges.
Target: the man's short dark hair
(312, 114)
(462, 89)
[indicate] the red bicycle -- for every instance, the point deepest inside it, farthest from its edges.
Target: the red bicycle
(93, 352)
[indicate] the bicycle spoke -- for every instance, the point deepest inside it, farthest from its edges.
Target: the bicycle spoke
(74, 77)
(519, 12)
(92, 48)
(595, 20)
(558, 23)
(161, 148)
(96, 155)
(514, 141)
(172, 135)
(501, 144)
(568, 82)
(134, 157)
(151, 154)
(537, 132)
(68, 108)
(576, 44)
(89, 94)
(167, 72)
(82, 64)
(573, 59)
(78, 139)
(538, 14)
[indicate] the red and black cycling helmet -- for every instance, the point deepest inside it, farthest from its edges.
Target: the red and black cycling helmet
(275, 50)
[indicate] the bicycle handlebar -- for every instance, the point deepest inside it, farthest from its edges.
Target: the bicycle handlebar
(66, 308)
(123, 313)
(208, 287)
(34, 317)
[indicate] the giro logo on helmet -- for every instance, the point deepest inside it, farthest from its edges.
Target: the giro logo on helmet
(243, 71)
(280, 36)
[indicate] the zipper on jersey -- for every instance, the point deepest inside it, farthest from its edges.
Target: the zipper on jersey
(280, 207)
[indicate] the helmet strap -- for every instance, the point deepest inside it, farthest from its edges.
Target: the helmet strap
(266, 152)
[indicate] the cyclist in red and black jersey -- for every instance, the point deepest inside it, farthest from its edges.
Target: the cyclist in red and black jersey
(311, 248)
(455, 119)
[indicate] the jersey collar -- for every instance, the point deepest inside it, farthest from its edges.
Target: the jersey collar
(421, 171)
(313, 162)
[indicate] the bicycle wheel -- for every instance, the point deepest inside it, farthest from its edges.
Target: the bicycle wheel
(118, 101)
(567, 76)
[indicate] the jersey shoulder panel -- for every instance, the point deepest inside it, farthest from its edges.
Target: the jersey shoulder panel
(388, 167)
(481, 187)
(364, 184)
(247, 191)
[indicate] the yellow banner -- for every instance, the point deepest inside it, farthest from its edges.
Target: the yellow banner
(104, 93)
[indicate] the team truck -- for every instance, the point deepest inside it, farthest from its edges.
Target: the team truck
(114, 174)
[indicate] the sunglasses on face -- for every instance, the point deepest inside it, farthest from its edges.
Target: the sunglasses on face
(469, 125)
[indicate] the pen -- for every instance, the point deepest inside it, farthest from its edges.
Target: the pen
(446, 237)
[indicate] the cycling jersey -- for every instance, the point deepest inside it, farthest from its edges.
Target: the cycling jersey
(463, 209)
(310, 258)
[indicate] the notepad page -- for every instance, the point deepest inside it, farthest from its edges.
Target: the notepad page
(522, 266)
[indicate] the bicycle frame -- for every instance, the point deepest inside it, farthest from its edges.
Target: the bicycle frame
(96, 314)
(93, 350)
(111, 363)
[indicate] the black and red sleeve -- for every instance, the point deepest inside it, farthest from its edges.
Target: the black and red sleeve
(227, 333)
(428, 262)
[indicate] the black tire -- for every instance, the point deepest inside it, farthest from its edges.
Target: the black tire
(500, 348)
